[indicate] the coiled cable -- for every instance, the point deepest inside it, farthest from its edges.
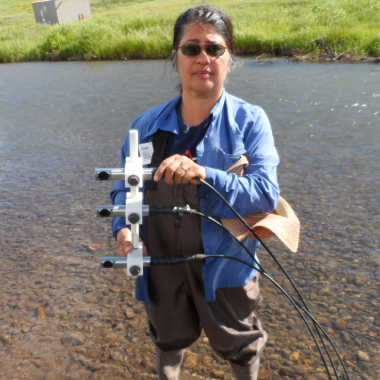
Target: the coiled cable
(306, 309)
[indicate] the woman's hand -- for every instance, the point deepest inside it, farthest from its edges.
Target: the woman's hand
(179, 169)
(124, 242)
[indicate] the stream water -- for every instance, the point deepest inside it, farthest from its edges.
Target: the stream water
(61, 317)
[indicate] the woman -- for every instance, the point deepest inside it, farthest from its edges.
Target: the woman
(201, 134)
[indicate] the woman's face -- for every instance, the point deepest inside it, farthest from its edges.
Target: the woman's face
(202, 74)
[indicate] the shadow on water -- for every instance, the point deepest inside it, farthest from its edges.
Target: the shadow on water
(63, 318)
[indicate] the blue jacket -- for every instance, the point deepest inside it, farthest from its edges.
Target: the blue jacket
(236, 128)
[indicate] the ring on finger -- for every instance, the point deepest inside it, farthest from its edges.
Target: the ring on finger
(184, 169)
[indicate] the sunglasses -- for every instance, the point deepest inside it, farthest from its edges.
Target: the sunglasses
(192, 50)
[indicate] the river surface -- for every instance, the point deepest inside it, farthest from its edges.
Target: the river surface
(61, 317)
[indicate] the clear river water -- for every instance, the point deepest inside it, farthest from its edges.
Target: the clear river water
(61, 317)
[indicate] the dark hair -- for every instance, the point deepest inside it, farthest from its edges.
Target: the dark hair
(204, 14)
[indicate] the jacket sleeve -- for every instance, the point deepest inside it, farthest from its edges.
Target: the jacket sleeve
(257, 191)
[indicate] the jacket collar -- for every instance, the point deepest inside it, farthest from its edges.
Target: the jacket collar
(167, 119)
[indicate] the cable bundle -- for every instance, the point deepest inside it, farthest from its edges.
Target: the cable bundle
(260, 269)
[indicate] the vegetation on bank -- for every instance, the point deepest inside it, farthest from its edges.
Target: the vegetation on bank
(143, 29)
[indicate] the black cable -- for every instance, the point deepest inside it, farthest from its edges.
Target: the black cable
(260, 269)
(282, 269)
(175, 210)
(298, 306)
(187, 210)
(172, 210)
(181, 259)
(254, 234)
(327, 336)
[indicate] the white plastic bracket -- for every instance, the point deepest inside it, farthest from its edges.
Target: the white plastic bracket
(133, 205)
(133, 163)
(135, 257)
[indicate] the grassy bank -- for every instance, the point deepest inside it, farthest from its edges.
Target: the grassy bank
(143, 29)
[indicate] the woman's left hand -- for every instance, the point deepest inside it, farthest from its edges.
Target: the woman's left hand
(179, 169)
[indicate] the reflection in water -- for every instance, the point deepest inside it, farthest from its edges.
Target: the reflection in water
(63, 318)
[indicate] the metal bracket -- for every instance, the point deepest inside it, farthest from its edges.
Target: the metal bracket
(133, 204)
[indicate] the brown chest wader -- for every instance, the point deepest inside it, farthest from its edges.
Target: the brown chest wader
(179, 309)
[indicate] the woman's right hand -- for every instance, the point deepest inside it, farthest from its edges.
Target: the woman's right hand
(124, 242)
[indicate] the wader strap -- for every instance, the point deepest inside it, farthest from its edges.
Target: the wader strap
(160, 138)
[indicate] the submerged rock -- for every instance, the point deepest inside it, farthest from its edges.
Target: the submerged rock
(362, 356)
(129, 313)
(294, 356)
(376, 360)
(275, 364)
(217, 373)
(265, 375)
(40, 314)
(207, 360)
(340, 324)
(287, 371)
(191, 361)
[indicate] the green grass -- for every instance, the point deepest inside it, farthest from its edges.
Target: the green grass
(143, 29)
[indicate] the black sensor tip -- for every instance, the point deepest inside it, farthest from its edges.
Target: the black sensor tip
(104, 176)
(107, 264)
(104, 213)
